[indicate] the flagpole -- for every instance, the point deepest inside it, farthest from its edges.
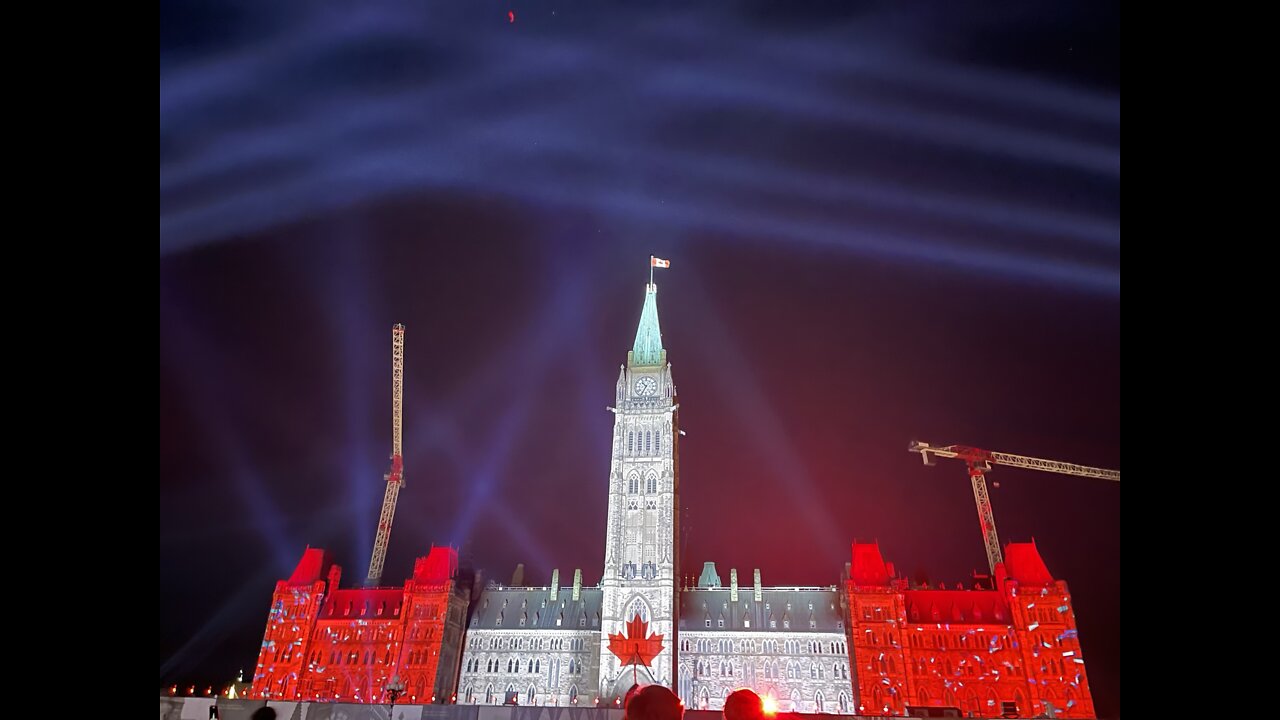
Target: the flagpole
(650, 269)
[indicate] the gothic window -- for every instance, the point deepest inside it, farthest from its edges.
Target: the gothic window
(488, 694)
(648, 442)
(657, 442)
(652, 482)
(631, 442)
(573, 694)
(844, 703)
(532, 695)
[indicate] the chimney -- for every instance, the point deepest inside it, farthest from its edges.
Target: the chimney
(759, 594)
(733, 584)
(555, 584)
(517, 577)
(577, 585)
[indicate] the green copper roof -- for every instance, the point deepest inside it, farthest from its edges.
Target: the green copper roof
(647, 349)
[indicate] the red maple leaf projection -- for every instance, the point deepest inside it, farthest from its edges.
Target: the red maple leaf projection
(635, 648)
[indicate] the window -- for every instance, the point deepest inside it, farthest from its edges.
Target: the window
(721, 621)
(648, 442)
(631, 442)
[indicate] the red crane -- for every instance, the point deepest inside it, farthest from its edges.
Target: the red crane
(980, 463)
(394, 477)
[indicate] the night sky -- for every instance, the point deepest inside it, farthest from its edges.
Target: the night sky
(885, 222)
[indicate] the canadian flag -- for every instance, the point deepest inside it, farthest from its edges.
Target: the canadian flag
(659, 262)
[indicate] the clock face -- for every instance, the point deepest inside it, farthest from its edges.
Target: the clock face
(646, 386)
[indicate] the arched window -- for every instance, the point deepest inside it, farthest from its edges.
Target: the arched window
(818, 702)
(573, 694)
(844, 703)
(653, 482)
(488, 694)
(532, 695)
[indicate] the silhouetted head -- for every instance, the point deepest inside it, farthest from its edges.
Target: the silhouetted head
(654, 702)
(263, 713)
(743, 705)
(631, 692)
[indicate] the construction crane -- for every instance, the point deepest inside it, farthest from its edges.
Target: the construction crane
(394, 477)
(980, 463)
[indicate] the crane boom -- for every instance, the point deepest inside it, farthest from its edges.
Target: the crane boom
(395, 476)
(980, 463)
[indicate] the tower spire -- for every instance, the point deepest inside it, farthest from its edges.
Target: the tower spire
(647, 350)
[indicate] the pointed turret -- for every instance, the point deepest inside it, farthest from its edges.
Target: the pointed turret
(647, 350)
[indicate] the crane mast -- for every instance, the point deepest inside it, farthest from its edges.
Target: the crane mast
(395, 476)
(980, 463)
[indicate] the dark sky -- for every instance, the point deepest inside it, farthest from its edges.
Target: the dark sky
(886, 222)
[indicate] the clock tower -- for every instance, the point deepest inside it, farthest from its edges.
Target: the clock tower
(642, 536)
